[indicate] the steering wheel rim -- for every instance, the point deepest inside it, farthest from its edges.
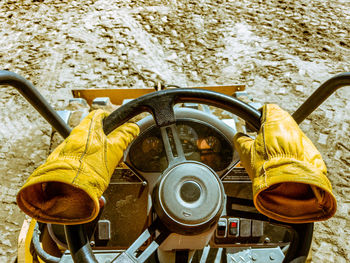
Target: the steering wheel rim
(160, 105)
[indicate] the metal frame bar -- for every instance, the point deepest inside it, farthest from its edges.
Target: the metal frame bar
(32, 95)
(320, 95)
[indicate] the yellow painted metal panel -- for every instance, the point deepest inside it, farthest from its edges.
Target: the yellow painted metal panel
(118, 95)
(24, 239)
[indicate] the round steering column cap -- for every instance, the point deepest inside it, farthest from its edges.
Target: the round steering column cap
(190, 191)
(189, 198)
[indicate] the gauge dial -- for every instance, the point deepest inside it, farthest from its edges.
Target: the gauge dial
(213, 143)
(152, 145)
(209, 144)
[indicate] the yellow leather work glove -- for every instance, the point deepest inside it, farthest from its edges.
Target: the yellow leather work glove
(287, 171)
(67, 187)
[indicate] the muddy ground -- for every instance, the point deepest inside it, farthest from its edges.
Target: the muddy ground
(282, 51)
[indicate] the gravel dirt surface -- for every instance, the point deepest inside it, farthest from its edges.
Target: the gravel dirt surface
(282, 51)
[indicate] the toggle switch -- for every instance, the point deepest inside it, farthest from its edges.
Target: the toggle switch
(233, 227)
(221, 228)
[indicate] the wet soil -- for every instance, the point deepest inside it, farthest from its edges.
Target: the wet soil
(282, 51)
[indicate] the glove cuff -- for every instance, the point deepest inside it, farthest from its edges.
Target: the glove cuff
(293, 191)
(50, 197)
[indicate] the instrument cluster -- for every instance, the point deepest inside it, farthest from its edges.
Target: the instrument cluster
(201, 142)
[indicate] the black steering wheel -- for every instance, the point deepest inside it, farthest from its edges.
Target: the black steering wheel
(182, 173)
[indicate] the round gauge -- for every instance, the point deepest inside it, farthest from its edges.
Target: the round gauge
(213, 143)
(152, 145)
(188, 138)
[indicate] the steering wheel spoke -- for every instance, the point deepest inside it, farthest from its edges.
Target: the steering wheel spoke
(172, 144)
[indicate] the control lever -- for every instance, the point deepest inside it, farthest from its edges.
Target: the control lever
(129, 256)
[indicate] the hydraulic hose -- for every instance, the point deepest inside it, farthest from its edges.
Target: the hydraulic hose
(38, 249)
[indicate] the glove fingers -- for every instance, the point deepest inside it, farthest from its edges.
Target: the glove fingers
(78, 139)
(125, 133)
(98, 117)
(273, 113)
(243, 145)
(118, 140)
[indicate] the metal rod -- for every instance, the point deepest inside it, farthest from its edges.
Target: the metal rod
(33, 96)
(320, 95)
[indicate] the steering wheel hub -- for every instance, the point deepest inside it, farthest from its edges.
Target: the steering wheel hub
(190, 191)
(189, 198)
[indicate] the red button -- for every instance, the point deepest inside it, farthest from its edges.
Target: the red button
(233, 224)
